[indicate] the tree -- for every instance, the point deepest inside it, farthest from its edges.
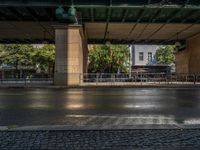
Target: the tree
(165, 55)
(110, 59)
(16, 55)
(44, 57)
(25, 55)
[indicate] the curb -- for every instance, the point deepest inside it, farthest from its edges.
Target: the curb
(96, 127)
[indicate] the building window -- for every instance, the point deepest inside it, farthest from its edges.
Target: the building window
(149, 56)
(141, 56)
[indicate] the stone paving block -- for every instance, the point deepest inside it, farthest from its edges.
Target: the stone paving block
(102, 139)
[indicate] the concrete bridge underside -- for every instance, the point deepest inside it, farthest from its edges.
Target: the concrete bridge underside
(120, 22)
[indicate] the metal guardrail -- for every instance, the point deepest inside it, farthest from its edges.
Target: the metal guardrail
(28, 79)
(106, 78)
(152, 78)
(25, 81)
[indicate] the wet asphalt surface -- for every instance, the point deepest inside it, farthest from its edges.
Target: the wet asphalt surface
(24, 107)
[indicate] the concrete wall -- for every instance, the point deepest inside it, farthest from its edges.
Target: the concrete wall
(85, 50)
(188, 60)
(182, 61)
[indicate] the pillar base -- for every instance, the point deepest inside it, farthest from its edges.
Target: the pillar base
(60, 79)
(67, 79)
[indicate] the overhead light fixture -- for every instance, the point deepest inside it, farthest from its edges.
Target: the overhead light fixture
(45, 42)
(108, 42)
(177, 43)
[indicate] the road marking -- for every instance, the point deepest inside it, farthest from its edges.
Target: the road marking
(122, 116)
(124, 120)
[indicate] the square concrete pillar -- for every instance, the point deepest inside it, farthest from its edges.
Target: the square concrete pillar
(187, 61)
(69, 42)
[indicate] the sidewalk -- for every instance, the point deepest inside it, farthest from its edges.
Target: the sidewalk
(187, 139)
(103, 85)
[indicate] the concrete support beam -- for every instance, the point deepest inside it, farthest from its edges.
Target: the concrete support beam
(187, 61)
(71, 50)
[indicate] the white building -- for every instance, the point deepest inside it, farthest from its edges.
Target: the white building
(143, 59)
(143, 55)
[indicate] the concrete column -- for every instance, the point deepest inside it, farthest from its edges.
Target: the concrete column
(70, 49)
(187, 61)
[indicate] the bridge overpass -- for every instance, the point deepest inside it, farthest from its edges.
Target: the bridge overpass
(119, 21)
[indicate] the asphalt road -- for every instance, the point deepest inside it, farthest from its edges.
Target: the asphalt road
(102, 106)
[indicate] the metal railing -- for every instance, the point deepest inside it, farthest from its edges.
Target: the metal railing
(110, 79)
(140, 78)
(24, 81)
(29, 80)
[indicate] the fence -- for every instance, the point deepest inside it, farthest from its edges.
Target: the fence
(34, 79)
(110, 79)
(140, 78)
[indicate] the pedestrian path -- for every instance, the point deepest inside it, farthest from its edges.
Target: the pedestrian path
(101, 140)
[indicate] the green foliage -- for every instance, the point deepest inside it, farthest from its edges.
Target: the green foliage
(27, 56)
(165, 55)
(111, 59)
(16, 54)
(44, 56)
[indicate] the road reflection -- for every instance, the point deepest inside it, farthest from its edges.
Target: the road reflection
(57, 106)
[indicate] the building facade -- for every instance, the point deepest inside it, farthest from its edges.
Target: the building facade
(143, 59)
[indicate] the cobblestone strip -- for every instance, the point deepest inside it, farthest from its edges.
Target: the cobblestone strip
(100, 140)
